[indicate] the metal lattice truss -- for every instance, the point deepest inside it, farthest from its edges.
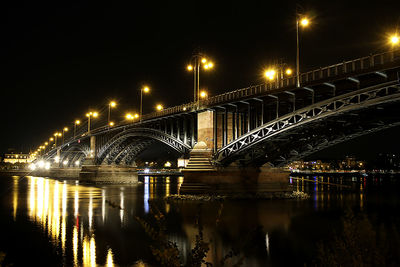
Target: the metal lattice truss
(256, 139)
(126, 145)
(74, 153)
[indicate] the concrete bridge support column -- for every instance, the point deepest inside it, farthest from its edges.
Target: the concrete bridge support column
(93, 173)
(202, 177)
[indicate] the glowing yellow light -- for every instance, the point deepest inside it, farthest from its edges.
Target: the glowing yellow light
(46, 143)
(51, 139)
(146, 89)
(136, 116)
(65, 129)
(210, 65)
(394, 39)
(203, 94)
(184, 108)
(167, 164)
(113, 104)
(159, 107)
(56, 134)
(203, 60)
(77, 122)
(111, 123)
(129, 116)
(189, 67)
(288, 72)
(206, 66)
(304, 22)
(59, 134)
(270, 74)
(95, 114)
(87, 114)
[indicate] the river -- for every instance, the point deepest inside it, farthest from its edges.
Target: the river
(49, 222)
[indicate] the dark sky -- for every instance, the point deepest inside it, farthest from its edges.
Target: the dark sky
(60, 58)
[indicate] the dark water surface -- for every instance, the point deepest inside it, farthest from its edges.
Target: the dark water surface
(47, 222)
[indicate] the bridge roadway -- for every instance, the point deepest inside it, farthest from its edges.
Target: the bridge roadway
(273, 123)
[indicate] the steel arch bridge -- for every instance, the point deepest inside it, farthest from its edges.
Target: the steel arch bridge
(275, 122)
(301, 133)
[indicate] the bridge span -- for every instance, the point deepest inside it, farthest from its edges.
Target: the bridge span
(269, 124)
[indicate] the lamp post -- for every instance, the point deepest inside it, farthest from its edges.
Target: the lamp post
(112, 104)
(65, 129)
(145, 89)
(277, 73)
(90, 115)
(198, 60)
(56, 134)
(303, 22)
(131, 117)
(76, 122)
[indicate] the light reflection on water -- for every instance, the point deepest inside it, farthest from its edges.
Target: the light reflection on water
(45, 197)
(94, 226)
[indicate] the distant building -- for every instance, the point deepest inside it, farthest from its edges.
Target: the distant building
(17, 158)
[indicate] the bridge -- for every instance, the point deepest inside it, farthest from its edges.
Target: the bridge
(272, 123)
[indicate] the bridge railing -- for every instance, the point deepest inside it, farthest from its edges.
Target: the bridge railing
(352, 66)
(346, 67)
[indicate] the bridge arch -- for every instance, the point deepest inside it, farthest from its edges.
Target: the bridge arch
(126, 145)
(278, 137)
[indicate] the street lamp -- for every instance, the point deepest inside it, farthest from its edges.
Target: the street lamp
(303, 22)
(159, 107)
(112, 104)
(56, 134)
(76, 122)
(198, 60)
(278, 72)
(394, 39)
(129, 117)
(89, 115)
(203, 94)
(145, 90)
(63, 133)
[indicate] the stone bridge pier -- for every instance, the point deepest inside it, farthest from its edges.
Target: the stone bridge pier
(94, 173)
(204, 175)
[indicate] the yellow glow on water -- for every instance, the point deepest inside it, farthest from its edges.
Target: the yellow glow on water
(32, 197)
(121, 211)
(90, 211)
(54, 220)
(75, 245)
(76, 202)
(15, 197)
(103, 204)
(85, 252)
(92, 252)
(47, 206)
(64, 200)
(110, 262)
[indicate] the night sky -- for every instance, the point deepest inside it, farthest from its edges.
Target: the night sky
(61, 58)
